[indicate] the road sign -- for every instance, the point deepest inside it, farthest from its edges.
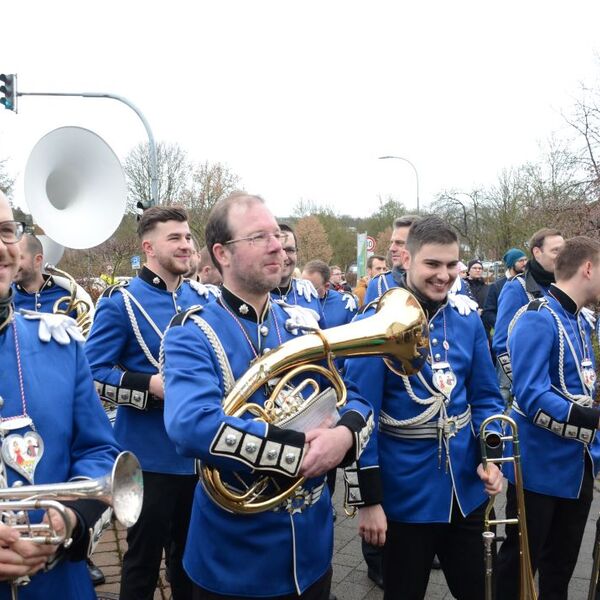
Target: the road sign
(135, 263)
(370, 243)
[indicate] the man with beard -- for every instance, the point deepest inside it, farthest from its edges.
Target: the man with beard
(390, 279)
(283, 553)
(533, 283)
(123, 350)
(420, 486)
(49, 402)
(294, 291)
(515, 260)
(34, 289)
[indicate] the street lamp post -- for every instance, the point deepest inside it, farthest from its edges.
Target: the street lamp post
(414, 169)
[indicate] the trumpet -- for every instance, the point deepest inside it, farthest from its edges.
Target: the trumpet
(492, 442)
(122, 488)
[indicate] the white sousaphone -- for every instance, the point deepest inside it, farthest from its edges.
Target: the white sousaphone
(75, 187)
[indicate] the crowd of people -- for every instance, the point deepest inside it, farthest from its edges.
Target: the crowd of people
(172, 348)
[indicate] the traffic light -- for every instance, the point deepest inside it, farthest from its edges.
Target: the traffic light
(9, 91)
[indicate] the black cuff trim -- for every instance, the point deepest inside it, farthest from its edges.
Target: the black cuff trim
(280, 450)
(363, 486)
(88, 512)
(361, 432)
(133, 392)
(566, 430)
(584, 416)
(504, 361)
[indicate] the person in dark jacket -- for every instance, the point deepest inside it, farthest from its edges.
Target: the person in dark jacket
(479, 288)
(515, 260)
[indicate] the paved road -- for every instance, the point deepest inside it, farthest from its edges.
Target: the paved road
(350, 581)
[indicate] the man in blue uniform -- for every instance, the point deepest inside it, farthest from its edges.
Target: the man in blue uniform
(420, 484)
(553, 381)
(123, 349)
(531, 284)
(35, 290)
(339, 308)
(53, 429)
(390, 279)
(294, 291)
(285, 552)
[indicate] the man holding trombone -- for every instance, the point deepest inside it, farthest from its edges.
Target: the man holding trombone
(553, 369)
(420, 486)
(53, 429)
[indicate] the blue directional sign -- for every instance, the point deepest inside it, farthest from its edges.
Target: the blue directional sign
(136, 263)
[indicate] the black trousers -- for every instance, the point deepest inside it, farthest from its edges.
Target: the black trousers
(163, 523)
(555, 529)
(317, 591)
(410, 547)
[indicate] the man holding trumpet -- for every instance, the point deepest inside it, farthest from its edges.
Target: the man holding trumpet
(53, 429)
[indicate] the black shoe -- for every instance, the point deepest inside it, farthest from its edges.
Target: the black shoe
(334, 514)
(436, 563)
(96, 575)
(332, 597)
(375, 577)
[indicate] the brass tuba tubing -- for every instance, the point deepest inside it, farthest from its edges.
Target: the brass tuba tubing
(122, 489)
(398, 331)
(492, 442)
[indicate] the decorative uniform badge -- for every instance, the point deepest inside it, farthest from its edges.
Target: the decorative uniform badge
(22, 453)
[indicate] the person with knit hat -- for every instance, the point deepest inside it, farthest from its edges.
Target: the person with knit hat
(515, 260)
(479, 288)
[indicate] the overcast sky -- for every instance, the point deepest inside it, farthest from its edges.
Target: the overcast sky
(300, 98)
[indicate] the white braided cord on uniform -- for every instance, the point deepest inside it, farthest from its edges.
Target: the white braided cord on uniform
(582, 399)
(530, 296)
(127, 299)
(213, 340)
(435, 402)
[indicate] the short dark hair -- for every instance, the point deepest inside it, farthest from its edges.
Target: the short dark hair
(573, 254)
(289, 229)
(406, 221)
(33, 244)
(159, 214)
(538, 238)
(217, 227)
(318, 266)
(429, 230)
(372, 258)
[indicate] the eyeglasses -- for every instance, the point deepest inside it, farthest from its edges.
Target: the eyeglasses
(11, 231)
(290, 250)
(260, 239)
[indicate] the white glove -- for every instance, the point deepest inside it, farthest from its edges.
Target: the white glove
(60, 328)
(299, 317)
(463, 304)
(305, 288)
(589, 316)
(350, 302)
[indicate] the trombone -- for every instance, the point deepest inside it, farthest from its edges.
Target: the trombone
(492, 444)
(122, 488)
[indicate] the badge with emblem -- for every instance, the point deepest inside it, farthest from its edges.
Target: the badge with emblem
(443, 378)
(587, 373)
(22, 453)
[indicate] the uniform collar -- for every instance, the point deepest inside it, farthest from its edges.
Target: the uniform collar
(284, 291)
(241, 308)
(48, 283)
(563, 299)
(154, 280)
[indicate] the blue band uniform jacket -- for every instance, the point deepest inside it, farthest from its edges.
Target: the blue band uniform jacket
(410, 472)
(122, 369)
(301, 292)
(555, 432)
(78, 439)
(271, 553)
(42, 300)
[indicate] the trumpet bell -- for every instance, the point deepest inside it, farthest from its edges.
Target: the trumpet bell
(75, 187)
